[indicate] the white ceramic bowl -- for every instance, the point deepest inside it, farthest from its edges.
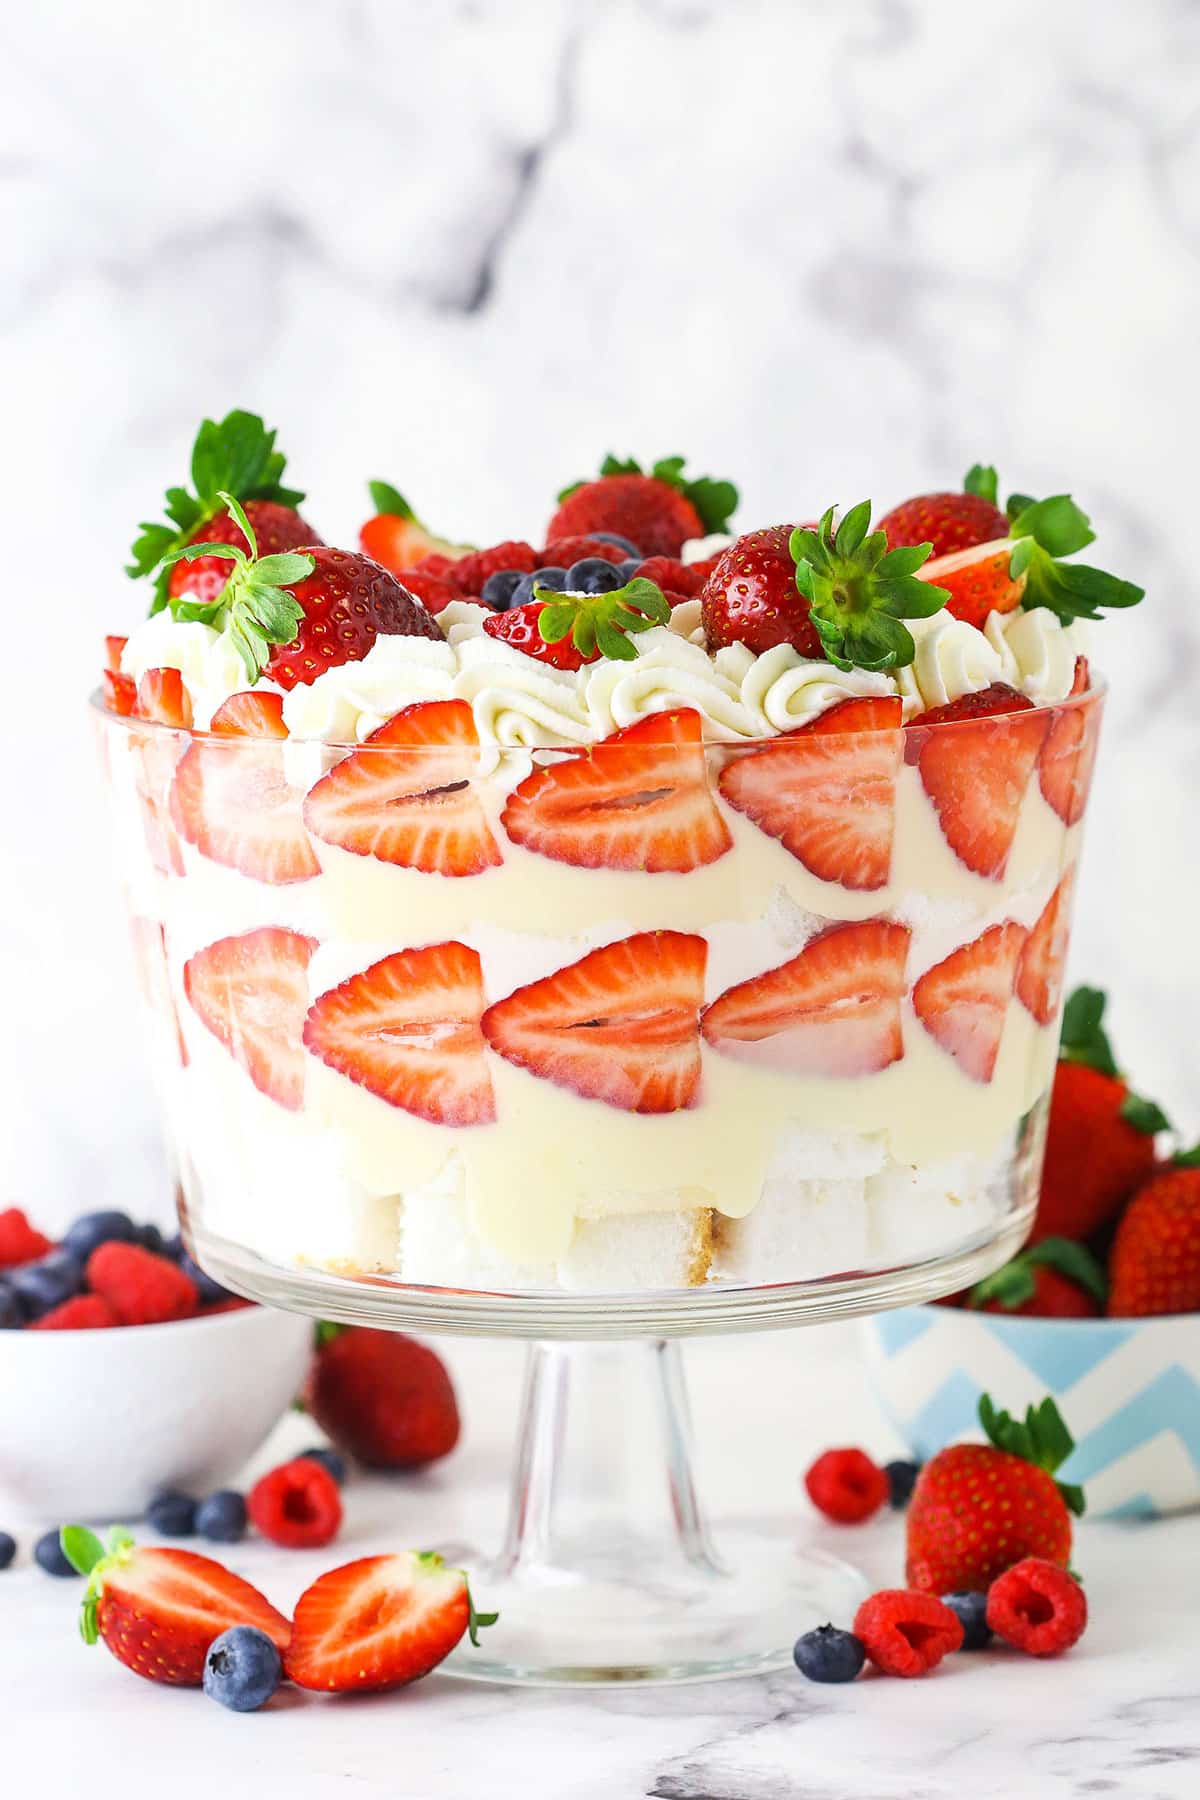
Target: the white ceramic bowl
(1128, 1389)
(91, 1422)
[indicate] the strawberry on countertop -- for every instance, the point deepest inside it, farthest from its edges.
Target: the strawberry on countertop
(658, 511)
(382, 1397)
(380, 1622)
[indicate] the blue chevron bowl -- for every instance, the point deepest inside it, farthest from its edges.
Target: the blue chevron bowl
(1129, 1390)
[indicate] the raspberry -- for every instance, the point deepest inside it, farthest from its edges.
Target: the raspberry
(435, 564)
(702, 570)
(434, 590)
(847, 1486)
(1037, 1607)
(561, 552)
(470, 572)
(19, 1241)
(906, 1633)
(670, 573)
(86, 1312)
(141, 1288)
(296, 1505)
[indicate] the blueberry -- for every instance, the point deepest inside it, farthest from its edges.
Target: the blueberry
(12, 1308)
(593, 575)
(41, 1286)
(8, 1549)
(172, 1513)
(48, 1554)
(210, 1291)
(970, 1609)
(547, 578)
(902, 1478)
(92, 1229)
(151, 1238)
(242, 1669)
(173, 1248)
(828, 1654)
(627, 570)
(329, 1460)
(622, 543)
(221, 1517)
(498, 588)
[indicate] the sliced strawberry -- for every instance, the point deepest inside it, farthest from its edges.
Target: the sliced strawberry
(619, 1025)
(120, 692)
(233, 801)
(976, 774)
(161, 696)
(827, 791)
(252, 994)
(833, 1010)
(963, 1000)
(640, 799)
(408, 796)
(379, 1622)
(1040, 970)
(407, 1029)
(977, 581)
(398, 543)
(114, 649)
(150, 954)
(1069, 753)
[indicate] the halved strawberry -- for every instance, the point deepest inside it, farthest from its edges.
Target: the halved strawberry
(827, 791)
(1069, 753)
(639, 799)
(1040, 970)
(150, 955)
(233, 801)
(159, 1611)
(408, 795)
(408, 1030)
(976, 774)
(619, 1025)
(832, 1010)
(161, 696)
(120, 692)
(252, 994)
(977, 581)
(380, 1622)
(962, 1001)
(114, 648)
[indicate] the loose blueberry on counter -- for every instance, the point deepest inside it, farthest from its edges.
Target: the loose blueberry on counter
(828, 1654)
(902, 1478)
(8, 1548)
(970, 1609)
(92, 1229)
(221, 1517)
(622, 543)
(41, 1286)
(209, 1291)
(330, 1461)
(48, 1555)
(548, 578)
(593, 575)
(172, 1513)
(627, 570)
(497, 590)
(12, 1308)
(242, 1669)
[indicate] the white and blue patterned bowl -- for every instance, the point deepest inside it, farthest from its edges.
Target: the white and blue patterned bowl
(1128, 1389)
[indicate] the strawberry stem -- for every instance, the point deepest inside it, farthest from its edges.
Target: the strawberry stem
(859, 591)
(1014, 1284)
(602, 621)
(85, 1553)
(1041, 1438)
(715, 501)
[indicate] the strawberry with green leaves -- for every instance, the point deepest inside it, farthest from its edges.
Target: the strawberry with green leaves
(858, 592)
(658, 511)
(569, 630)
(1154, 1263)
(394, 536)
(1053, 1279)
(235, 455)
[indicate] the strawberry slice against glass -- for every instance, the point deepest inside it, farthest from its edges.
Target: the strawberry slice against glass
(1043, 958)
(251, 992)
(150, 956)
(833, 1010)
(639, 799)
(620, 1025)
(408, 796)
(976, 774)
(1069, 753)
(827, 791)
(962, 1001)
(408, 1029)
(234, 802)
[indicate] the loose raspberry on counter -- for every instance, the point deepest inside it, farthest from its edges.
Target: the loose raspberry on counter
(906, 1633)
(297, 1505)
(847, 1486)
(1037, 1607)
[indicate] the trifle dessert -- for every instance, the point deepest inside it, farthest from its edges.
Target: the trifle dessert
(649, 906)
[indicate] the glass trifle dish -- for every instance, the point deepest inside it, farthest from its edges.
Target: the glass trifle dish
(653, 910)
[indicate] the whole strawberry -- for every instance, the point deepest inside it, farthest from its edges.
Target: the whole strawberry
(1154, 1264)
(276, 528)
(977, 1509)
(751, 596)
(658, 511)
(382, 1397)
(1053, 1279)
(949, 522)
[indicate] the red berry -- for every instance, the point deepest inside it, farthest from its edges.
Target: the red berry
(20, 1242)
(348, 601)
(141, 1288)
(906, 1633)
(950, 522)
(1037, 1607)
(1154, 1264)
(470, 572)
(847, 1486)
(435, 591)
(435, 563)
(297, 1505)
(1095, 1158)
(649, 512)
(120, 692)
(561, 552)
(382, 1397)
(275, 527)
(751, 597)
(673, 576)
(519, 627)
(86, 1312)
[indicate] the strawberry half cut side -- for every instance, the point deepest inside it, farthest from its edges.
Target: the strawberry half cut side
(833, 1010)
(620, 1025)
(827, 791)
(1043, 958)
(408, 796)
(233, 801)
(976, 774)
(408, 1030)
(251, 992)
(962, 1001)
(640, 799)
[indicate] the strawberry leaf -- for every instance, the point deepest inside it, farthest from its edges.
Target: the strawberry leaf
(1084, 1039)
(602, 619)
(1040, 1438)
(1057, 524)
(981, 479)
(1015, 1284)
(859, 591)
(1046, 531)
(81, 1547)
(1187, 1159)
(387, 499)
(1144, 1115)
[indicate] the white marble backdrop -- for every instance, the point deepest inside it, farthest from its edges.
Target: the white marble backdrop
(828, 249)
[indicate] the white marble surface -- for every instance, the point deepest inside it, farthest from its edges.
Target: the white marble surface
(828, 249)
(1117, 1717)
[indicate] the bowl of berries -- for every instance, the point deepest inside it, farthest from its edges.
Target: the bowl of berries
(124, 1366)
(1101, 1307)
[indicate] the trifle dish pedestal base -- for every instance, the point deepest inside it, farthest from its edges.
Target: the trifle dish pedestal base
(608, 1572)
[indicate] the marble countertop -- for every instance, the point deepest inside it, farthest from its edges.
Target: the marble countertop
(1119, 1716)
